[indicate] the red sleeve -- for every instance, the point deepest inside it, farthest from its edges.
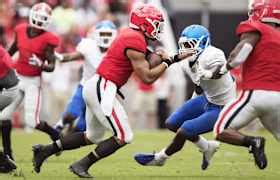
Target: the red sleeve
(248, 26)
(5, 57)
(19, 27)
(136, 42)
(53, 39)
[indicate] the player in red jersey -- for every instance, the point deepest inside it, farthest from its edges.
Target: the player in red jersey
(104, 111)
(8, 93)
(259, 52)
(36, 54)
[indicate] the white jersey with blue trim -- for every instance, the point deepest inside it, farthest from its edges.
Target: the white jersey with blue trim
(217, 91)
(92, 57)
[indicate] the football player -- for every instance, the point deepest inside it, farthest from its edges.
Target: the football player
(91, 50)
(104, 111)
(199, 114)
(259, 52)
(8, 93)
(36, 54)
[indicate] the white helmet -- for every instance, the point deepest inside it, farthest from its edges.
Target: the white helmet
(104, 33)
(40, 16)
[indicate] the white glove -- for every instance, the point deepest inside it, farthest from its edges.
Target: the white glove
(224, 69)
(35, 61)
(204, 74)
(58, 56)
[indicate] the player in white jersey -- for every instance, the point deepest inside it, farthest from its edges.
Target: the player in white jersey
(199, 114)
(91, 49)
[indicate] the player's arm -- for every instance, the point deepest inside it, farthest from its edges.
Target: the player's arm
(68, 57)
(13, 48)
(50, 58)
(242, 50)
(142, 67)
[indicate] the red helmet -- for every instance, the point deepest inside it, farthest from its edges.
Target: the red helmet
(255, 9)
(266, 11)
(40, 15)
(148, 19)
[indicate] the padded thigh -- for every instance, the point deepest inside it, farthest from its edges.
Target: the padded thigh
(189, 110)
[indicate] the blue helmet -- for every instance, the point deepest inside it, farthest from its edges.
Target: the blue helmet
(195, 38)
(104, 32)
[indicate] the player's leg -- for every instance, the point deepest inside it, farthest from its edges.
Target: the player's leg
(190, 110)
(68, 142)
(236, 115)
(191, 130)
(6, 164)
(73, 110)
(117, 123)
(268, 106)
(32, 106)
(6, 118)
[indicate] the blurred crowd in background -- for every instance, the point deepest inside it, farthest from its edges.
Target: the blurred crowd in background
(71, 20)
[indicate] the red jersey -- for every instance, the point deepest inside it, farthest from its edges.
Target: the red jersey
(261, 70)
(28, 46)
(5, 62)
(116, 66)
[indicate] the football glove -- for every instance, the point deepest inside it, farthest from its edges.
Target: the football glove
(35, 61)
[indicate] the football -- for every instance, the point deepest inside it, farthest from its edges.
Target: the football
(154, 59)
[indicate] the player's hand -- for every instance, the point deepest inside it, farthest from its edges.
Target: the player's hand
(162, 54)
(186, 54)
(58, 56)
(35, 61)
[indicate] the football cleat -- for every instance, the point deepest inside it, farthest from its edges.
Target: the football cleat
(149, 160)
(213, 146)
(257, 149)
(6, 164)
(39, 156)
(79, 170)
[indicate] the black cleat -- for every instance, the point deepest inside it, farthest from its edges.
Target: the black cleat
(6, 164)
(79, 170)
(257, 149)
(39, 156)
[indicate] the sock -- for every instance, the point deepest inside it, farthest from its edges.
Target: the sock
(161, 155)
(202, 143)
(6, 137)
(43, 126)
(72, 141)
(107, 147)
(52, 149)
(103, 149)
(88, 160)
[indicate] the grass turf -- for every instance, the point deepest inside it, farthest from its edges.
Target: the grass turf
(229, 162)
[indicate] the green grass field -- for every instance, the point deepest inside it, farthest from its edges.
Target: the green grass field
(229, 163)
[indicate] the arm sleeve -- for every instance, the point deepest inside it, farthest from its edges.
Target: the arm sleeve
(136, 43)
(215, 60)
(248, 26)
(84, 47)
(53, 40)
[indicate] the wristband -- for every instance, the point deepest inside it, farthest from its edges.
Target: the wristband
(164, 63)
(168, 62)
(176, 58)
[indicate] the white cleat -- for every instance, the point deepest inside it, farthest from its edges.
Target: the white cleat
(149, 160)
(213, 146)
